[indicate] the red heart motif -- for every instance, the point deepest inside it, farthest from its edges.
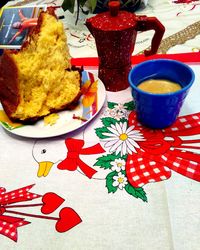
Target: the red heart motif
(51, 202)
(68, 219)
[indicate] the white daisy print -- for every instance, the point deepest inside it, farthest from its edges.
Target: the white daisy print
(120, 107)
(118, 165)
(122, 139)
(110, 112)
(121, 111)
(120, 114)
(120, 181)
(117, 113)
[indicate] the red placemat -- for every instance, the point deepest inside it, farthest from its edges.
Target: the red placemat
(193, 57)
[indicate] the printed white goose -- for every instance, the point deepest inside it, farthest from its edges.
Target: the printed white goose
(66, 154)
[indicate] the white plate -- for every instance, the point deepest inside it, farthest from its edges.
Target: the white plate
(66, 123)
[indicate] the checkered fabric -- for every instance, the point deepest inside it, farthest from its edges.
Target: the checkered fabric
(162, 150)
(141, 171)
(18, 195)
(185, 125)
(188, 168)
(9, 224)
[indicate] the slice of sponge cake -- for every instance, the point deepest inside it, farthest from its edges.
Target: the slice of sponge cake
(39, 79)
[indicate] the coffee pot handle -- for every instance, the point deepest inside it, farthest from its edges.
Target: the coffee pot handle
(145, 23)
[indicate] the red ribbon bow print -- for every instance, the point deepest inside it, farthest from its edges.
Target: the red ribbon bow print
(164, 150)
(9, 224)
(18, 195)
(75, 149)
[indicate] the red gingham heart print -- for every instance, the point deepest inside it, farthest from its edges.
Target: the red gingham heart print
(141, 171)
(163, 150)
(185, 125)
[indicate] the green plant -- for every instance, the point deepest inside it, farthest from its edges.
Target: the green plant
(101, 5)
(96, 6)
(70, 4)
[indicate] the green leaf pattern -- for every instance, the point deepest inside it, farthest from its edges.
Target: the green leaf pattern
(106, 160)
(109, 182)
(116, 113)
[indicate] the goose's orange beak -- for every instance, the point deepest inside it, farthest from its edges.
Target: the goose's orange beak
(44, 168)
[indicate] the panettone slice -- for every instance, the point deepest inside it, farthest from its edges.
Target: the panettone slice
(39, 79)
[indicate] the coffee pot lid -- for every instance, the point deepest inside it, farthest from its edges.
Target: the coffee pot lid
(114, 19)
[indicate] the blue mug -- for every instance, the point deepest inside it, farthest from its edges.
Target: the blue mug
(159, 111)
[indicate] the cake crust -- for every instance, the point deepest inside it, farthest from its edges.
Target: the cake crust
(9, 87)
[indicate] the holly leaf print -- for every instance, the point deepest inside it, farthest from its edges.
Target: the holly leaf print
(129, 106)
(123, 120)
(109, 182)
(136, 192)
(107, 121)
(104, 161)
(110, 161)
(111, 105)
(100, 131)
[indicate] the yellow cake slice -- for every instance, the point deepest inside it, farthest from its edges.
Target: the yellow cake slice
(39, 79)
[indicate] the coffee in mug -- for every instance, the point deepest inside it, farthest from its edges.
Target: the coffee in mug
(159, 86)
(159, 111)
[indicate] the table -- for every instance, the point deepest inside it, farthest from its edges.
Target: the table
(105, 214)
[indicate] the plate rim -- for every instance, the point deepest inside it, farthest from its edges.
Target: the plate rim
(62, 132)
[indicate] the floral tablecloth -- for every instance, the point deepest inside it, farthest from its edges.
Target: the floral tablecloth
(102, 187)
(94, 195)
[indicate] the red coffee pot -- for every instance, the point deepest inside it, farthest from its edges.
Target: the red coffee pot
(115, 34)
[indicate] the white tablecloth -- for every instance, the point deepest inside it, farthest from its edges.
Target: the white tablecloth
(169, 220)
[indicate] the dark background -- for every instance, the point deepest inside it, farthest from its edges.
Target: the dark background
(3, 2)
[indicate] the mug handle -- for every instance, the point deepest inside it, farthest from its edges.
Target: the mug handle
(145, 23)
